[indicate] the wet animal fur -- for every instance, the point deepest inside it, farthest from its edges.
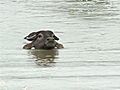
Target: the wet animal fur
(39, 40)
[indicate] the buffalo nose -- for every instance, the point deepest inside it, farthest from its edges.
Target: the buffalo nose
(50, 39)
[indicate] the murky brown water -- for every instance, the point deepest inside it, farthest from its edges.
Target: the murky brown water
(89, 30)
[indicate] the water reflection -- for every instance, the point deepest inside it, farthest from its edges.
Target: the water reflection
(44, 57)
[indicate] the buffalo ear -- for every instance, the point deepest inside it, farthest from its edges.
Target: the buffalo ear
(31, 36)
(55, 37)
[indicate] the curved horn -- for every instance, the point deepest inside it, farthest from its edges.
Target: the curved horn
(31, 36)
(55, 37)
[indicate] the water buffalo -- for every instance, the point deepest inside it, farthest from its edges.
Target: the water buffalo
(42, 40)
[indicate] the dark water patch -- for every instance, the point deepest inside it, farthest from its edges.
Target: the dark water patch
(87, 63)
(48, 77)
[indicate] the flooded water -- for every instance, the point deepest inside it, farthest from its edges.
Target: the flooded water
(89, 31)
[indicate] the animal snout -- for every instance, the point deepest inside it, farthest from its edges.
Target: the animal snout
(50, 39)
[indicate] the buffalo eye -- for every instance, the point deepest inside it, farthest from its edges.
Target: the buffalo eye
(40, 36)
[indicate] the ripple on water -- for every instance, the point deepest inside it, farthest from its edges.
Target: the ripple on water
(89, 30)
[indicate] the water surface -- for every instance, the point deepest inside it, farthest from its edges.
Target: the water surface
(89, 31)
